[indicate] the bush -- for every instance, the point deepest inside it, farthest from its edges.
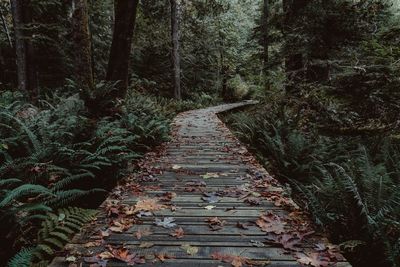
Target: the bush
(237, 89)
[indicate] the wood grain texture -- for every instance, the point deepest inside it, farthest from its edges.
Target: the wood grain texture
(201, 145)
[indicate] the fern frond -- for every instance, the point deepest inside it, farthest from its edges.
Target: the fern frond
(22, 259)
(24, 190)
(11, 181)
(35, 142)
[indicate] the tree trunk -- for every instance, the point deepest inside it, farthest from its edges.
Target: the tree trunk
(175, 48)
(5, 27)
(82, 46)
(265, 31)
(118, 64)
(293, 60)
(23, 47)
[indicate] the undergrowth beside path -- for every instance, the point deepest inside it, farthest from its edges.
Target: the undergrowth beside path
(350, 184)
(58, 162)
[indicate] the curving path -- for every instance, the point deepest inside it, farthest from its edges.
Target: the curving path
(201, 200)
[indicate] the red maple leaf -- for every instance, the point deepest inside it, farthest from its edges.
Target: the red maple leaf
(271, 223)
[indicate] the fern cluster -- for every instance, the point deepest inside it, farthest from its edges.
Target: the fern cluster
(349, 184)
(56, 155)
(55, 232)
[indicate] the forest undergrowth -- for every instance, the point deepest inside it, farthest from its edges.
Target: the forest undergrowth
(60, 160)
(348, 179)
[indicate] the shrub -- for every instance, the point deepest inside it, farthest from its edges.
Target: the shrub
(237, 88)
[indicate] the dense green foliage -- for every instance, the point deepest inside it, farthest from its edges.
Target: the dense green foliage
(329, 125)
(350, 185)
(55, 156)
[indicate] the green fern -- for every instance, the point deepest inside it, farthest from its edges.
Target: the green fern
(56, 231)
(24, 190)
(22, 259)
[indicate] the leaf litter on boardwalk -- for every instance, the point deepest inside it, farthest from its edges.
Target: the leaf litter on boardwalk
(210, 175)
(178, 233)
(190, 250)
(167, 222)
(210, 198)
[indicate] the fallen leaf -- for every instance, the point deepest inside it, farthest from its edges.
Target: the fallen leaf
(215, 223)
(235, 261)
(104, 233)
(210, 198)
(288, 241)
(271, 223)
(178, 233)
(210, 175)
(121, 225)
(121, 254)
(106, 255)
(168, 196)
(176, 167)
(148, 204)
(92, 244)
(146, 245)
(209, 207)
(242, 226)
(163, 257)
(144, 214)
(314, 259)
(253, 201)
(257, 243)
(190, 250)
(142, 233)
(167, 222)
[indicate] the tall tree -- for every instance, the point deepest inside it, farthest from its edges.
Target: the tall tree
(265, 32)
(176, 66)
(21, 12)
(5, 26)
(294, 61)
(124, 25)
(82, 45)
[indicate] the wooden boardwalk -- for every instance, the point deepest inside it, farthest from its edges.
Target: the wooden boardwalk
(201, 200)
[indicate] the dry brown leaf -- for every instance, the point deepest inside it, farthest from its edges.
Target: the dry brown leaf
(215, 223)
(121, 225)
(163, 257)
(142, 233)
(178, 233)
(314, 259)
(148, 204)
(271, 223)
(235, 261)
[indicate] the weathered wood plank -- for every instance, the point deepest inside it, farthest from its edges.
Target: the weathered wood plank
(201, 144)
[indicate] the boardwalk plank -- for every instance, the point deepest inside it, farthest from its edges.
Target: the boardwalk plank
(201, 144)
